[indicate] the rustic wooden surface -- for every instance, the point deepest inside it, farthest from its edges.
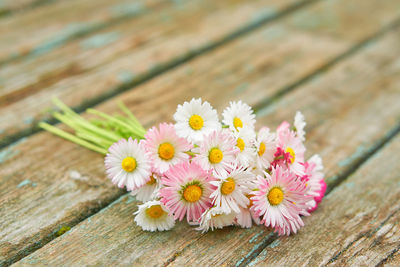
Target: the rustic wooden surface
(148, 42)
(279, 56)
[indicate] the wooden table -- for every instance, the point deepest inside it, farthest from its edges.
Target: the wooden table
(337, 61)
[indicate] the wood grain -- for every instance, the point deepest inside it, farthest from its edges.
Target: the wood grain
(356, 225)
(8, 7)
(55, 24)
(351, 110)
(91, 69)
(82, 76)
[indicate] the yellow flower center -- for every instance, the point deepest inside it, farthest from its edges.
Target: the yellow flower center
(237, 123)
(240, 144)
(129, 164)
(166, 151)
(261, 149)
(155, 211)
(228, 186)
(275, 196)
(215, 155)
(196, 122)
(151, 181)
(192, 193)
(291, 152)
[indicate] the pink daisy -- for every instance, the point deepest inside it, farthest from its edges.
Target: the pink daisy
(280, 200)
(247, 216)
(290, 151)
(165, 147)
(217, 151)
(186, 191)
(314, 179)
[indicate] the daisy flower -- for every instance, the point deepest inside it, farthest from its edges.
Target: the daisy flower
(299, 124)
(315, 183)
(232, 187)
(195, 119)
(245, 139)
(127, 164)
(216, 218)
(291, 150)
(217, 151)
(165, 147)
(153, 216)
(186, 190)
(280, 200)
(247, 216)
(265, 147)
(149, 190)
(239, 115)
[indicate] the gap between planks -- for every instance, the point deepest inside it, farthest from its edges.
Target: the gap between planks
(332, 65)
(337, 180)
(161, 68)
(8, 11)
(377, 146)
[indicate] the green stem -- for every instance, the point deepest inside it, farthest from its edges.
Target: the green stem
(71, 138)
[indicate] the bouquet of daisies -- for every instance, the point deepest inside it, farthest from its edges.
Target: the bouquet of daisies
(211, 173)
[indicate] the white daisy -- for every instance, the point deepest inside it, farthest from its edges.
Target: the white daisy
(195, 119)
(299, 124)
(217, 151)
(232, 188)
(165, 147)
(127, 164)
(245, 139)
(149, 190)
(239, 115)
(215, 218)
(153, 216)
(265, 149)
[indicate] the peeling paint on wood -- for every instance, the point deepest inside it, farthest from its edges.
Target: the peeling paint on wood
(329, 123)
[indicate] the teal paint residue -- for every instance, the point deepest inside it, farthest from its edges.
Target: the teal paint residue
(10, 151)
(241, 88)
(263, 14)
(25, 182)
(126, 76)
(274, 244)
(127, 9)
(249, 68)
(256, 247)
(100, 40)
(130, 199)
(349, 185)
(274, 32)
(1, 131)
(28, 120)
(254, 238)
(70, 31)
(360, 151)
(261, 257)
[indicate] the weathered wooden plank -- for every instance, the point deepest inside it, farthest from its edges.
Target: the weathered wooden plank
(118, 57)
(337, 106)
(357, 224)
(70, 72)
(392, 260)
(53, 25)
(8, 7)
